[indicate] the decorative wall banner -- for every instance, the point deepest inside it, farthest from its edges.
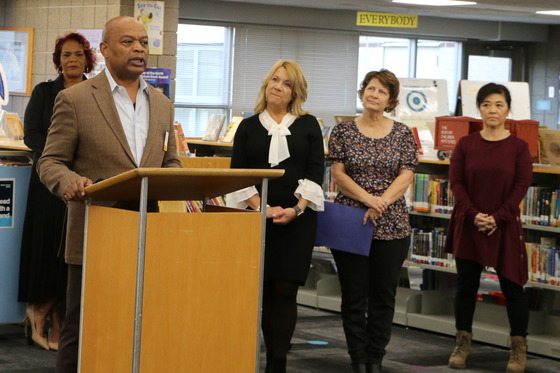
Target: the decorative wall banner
(386, 20)
(150, 14)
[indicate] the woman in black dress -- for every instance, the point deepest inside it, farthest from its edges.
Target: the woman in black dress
(282, 135)
(42, 277)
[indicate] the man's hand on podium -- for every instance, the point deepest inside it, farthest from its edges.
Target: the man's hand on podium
(75, 190)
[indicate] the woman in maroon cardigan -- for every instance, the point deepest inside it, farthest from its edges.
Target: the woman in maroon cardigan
(490, 173)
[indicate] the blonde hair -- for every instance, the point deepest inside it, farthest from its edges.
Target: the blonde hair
(299, 88)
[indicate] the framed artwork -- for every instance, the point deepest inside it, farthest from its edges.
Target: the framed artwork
(16, 54)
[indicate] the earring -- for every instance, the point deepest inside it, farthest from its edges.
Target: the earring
(59, 70)
(86, 70)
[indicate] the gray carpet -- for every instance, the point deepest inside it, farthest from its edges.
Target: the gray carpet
(410, 350)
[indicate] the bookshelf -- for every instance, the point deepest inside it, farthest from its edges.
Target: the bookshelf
(433, 309)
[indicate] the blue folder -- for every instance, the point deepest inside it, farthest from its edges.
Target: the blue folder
(341, 227)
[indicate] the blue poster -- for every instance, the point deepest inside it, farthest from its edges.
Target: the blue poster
(7, 190)
(159, 79)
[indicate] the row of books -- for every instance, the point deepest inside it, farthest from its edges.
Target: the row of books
(541, 206)
(430, 193)
(426, 247)
(197, 206)
(329, 186)
(544, 261)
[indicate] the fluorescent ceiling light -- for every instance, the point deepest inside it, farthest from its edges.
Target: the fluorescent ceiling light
(435, 2)
(549, 12)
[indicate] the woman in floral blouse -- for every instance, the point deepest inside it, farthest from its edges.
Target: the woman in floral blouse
(373, 158)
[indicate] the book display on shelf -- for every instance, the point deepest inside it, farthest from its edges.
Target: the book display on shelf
(229, 133)
(198, 206)
(215, 123)
(10, 126)
(181, 140)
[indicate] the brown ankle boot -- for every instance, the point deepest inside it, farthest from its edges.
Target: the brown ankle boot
(460, 355)
(518, 355)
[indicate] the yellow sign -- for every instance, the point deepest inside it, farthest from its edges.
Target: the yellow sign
(386, 20)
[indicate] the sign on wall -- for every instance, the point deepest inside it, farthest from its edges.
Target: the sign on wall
(7, 198)
(159, 79)
(386, 20)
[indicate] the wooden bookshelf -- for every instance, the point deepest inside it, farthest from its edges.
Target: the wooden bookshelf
(13, 145)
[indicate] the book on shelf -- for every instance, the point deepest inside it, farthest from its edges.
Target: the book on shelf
(214, 127)
(427, 247)
(181, 140)
(198, 206)
(431, 193)
(543, 261)
(541, 206)
(229, 133)
(10, 126)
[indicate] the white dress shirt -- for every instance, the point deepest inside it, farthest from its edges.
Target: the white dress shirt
(135, 119)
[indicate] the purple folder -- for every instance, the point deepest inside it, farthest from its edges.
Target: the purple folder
(340, 227)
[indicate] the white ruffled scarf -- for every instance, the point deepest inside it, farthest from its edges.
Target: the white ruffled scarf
(278, 144)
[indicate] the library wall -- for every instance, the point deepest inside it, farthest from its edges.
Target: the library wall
(54, 18)
(334, 19)
(544, 72)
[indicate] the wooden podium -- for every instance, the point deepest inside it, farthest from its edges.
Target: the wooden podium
(172, 292)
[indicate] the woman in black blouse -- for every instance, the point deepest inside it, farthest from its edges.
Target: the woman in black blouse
(282, 135)
(373, 160)
(42, 277)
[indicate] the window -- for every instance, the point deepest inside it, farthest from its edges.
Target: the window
(203, 75)
(378, 53)
(328, 59)
(489, 69)
(440, 60)
(411, 58)
(212, 79)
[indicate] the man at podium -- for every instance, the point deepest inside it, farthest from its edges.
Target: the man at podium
(102, 127)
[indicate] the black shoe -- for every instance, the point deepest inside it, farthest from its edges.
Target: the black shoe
(359, 368)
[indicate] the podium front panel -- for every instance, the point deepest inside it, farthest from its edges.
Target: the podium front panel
(201, 291)
(108, 296)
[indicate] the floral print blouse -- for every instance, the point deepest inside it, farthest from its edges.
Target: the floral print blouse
(374, 164)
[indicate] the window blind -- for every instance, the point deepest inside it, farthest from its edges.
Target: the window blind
(329, 61)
